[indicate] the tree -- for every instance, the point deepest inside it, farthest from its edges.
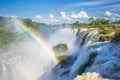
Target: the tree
(99, 22)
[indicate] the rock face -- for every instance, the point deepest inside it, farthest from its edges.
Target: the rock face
(90, 56)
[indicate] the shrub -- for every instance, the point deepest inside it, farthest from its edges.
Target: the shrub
(88, 64)
(63, 57)
(116, 37)
(60, 48)
(82, 69)
(106, 31)
(105, 38)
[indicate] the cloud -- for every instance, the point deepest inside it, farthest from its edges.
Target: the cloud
(82, 14)
(92, 3)
(111, 16)
(86, 4)
(38, 17)
(14, 16)
(82, 17)
(64, 16)
(51, 16)
(108, 13)
(49, 20)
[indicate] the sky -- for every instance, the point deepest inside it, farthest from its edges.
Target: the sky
(61, 10)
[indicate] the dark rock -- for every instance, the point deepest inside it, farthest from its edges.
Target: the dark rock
(66, 72)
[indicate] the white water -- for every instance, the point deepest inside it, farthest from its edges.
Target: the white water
(24, 62)
(28, 61)
(106, 63)
(63, 35)
(32, 61)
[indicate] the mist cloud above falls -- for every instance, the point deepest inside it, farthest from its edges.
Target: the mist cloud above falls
(34, 61)
(62, 36)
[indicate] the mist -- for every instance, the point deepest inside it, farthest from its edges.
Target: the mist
(24, 59)
(66, 35)
(27, 59)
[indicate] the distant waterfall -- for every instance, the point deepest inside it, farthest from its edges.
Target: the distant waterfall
(85, 36)
(8, 70)
(26, 61)
(4, 73)
(7, 74)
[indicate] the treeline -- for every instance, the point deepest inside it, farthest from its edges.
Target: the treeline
(40, 27)
(10, 33)
(96, 23)
(109, 31)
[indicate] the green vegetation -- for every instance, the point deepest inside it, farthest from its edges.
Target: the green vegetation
(100, 23)
(35, 25)
(105, 31)
(105, 38)
(110, 34)
(89, 63)
(97, 23)
(80, 25)
(82, 69)
(10, 33)
(116, 22)
(60, 48)
(63, 57)
(8, 38)
(41, 28)
(116, 37)
(92, 58)
(106, 28)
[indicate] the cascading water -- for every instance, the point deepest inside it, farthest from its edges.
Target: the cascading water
(84, 38)
(89, 55)
(7, 63)
(87, 52)
(62, 35)
(24, 62)
(4, 76)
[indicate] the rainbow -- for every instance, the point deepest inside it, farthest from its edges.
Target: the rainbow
(39, 38)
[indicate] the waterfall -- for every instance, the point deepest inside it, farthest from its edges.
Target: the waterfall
(68, 68)
(4, 73)
(8, 71)
(88, 57)
(24, 62)
(83, 44)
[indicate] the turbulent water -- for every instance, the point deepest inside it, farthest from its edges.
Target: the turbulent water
(87, 57)
(25, 60)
